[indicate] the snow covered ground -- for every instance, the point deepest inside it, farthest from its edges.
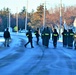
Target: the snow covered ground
(18, 60)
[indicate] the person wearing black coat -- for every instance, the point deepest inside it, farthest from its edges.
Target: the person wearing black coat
(6, 36)
(29, 36)
(64, 36)
(37, 35)
(70, 38)
(75, 40)
(43, 36)
(55, 36)
(47, 37)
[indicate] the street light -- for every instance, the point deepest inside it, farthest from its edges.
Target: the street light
(9, 20)
(26, 16)
(17, 20)
(60, 17)
(44, 14)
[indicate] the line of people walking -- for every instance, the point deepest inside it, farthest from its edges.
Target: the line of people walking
(68, 37)
(45, 36)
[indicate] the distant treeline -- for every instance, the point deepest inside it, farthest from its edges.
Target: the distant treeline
(35, 18)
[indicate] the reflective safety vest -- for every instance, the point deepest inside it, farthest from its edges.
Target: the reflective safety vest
(46, 34)
(55, 34)
(65, 34)
(35, 33)
(42, 34)
(75, 36)
(27, 35)
(71, 33)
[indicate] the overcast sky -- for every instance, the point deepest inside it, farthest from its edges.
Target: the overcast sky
(32, 4)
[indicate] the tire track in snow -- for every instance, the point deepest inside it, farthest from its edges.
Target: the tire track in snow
(36, 60)
(39, 60)
(14, 43)
(8, 60)
(69, 57)
(60, 57)
(11, 57)
(44, 56)
(65, 63)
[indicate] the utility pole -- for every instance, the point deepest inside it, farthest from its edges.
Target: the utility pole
(17, 20)
(44, 14)
(60, 17)
(9, 21)
(26, 16)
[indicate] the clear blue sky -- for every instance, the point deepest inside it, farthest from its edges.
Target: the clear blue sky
(32, 4)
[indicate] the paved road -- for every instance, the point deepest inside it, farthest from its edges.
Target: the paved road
(18, 60)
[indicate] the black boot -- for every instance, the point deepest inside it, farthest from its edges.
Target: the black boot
(25, 45)
(32, 46)
(8, 46)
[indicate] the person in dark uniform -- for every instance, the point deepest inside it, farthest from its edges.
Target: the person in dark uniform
(75, 40)
(37, 35)
(6, 37)
(47, 37)
(70, 38)
(55, 36)
(64, 35)
(29, 35)
(42, 36)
